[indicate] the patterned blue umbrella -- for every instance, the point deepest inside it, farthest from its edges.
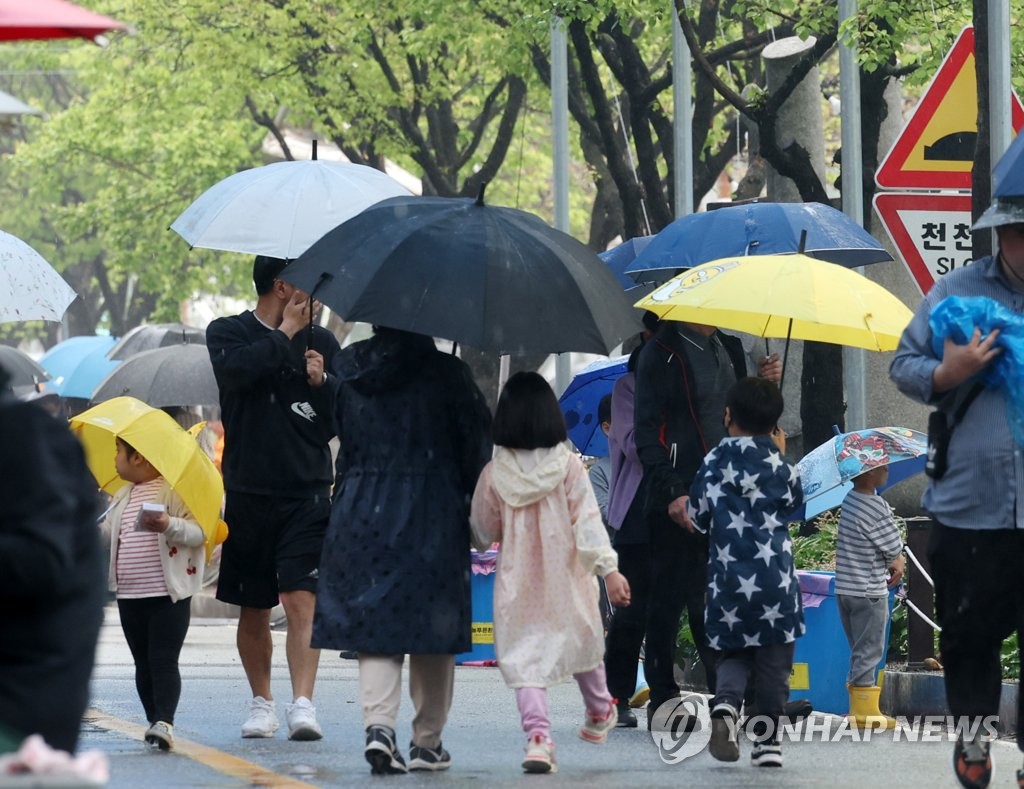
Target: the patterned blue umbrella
(826, 471)
(579, 404)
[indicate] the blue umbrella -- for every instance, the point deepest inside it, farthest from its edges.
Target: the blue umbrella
(579, 404)
(826, 471)
(78, 364)
(1008, 174)
(758, 229)
(618, 258)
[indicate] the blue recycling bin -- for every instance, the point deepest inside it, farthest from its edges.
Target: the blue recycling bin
(821, 659)
(482, 591)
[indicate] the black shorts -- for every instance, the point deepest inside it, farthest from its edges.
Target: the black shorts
(273, 546)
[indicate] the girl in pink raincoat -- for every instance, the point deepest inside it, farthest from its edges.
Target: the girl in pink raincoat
(534, 498)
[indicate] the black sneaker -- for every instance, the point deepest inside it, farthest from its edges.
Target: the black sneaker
(381, 752)
(767, 753)
(427, 759)
(627, 718)
(725, 744)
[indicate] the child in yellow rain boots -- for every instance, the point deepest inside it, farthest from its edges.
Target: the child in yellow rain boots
(869, 562)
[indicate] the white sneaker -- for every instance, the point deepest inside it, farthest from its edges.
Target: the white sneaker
(302, 723)
(262, 720)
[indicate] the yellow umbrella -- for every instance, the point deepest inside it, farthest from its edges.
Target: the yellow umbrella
(784, 296)
(171, 450)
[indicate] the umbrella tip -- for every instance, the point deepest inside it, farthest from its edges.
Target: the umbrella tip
(803, 241)
(835, 428)
(480, 194)
(314, 149)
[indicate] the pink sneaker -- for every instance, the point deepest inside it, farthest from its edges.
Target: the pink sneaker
(540, 755)
(595, 729)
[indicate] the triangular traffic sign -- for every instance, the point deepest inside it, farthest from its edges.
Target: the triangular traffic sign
(935, 149)
(932, 232)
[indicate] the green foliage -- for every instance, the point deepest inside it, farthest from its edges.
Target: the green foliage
(816, 548)
(1009, 657)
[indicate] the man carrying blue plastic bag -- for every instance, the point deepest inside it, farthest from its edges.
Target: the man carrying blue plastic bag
(976, 471)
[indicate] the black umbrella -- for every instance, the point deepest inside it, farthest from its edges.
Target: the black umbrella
(155, 335)
(178, 375)
(494, 278)
(23, 370)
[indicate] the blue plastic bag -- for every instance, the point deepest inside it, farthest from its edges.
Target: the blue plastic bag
(956, 317)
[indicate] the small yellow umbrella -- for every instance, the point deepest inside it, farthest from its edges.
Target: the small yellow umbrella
(170, 449)
(784, 296)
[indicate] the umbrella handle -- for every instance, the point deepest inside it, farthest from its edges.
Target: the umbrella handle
(324, 276)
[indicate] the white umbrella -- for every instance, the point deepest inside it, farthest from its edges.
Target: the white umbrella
(30, 288)
(280, 209)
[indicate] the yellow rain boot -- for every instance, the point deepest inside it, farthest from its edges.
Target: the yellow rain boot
(864, 712)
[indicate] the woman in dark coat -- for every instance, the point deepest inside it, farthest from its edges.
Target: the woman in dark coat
(394, 575)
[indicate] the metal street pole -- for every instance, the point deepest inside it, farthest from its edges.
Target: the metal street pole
(560, 156)
(999, 87)
(853, 205)
(682, 119)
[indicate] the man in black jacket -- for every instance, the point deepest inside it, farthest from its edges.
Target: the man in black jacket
(682, 376)
(275, 399)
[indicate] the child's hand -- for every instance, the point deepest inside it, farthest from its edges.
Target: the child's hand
(155, 522)
(618, 589)
(896, 572)
(779, 437)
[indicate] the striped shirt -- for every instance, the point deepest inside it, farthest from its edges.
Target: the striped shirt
(139, 572)
(868, 543)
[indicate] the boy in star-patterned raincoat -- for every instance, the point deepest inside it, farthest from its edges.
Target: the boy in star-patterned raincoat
(742, 496)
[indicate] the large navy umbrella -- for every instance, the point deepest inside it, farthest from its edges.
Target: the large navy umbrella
(1008, 174)
(757, 229)
(494, 278)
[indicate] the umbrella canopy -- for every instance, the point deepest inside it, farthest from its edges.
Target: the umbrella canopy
(619, 258)
(78, 364)
(178, 375)
(826, 471)
(25, 371)
(171, 450)
(150, 336)
(1008, 174)
(757, 229)
(9, 105)
(30, 288)
(784, 296)
(280, 209)
(46, 19)
(494, 278)
(580, 400)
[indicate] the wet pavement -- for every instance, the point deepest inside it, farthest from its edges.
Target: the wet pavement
(483, 736)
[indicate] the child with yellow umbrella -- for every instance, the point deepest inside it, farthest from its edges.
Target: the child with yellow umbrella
(161, 526)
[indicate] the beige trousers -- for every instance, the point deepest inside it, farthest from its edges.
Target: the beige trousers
(431, 678)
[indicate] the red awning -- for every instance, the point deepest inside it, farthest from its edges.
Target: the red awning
(44, 19)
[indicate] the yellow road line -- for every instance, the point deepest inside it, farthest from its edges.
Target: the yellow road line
(220, 761)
